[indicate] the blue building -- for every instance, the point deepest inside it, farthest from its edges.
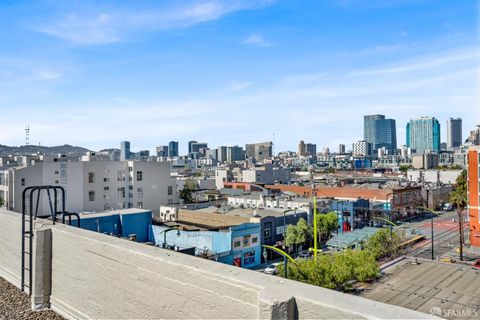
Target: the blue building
(237, 245)
(173, 149)
(423, 134)
(380, 132)
(120, 223)
(351, 214)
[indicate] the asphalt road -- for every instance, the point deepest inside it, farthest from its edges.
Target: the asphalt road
(446, 236)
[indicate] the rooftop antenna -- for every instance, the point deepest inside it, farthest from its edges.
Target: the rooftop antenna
(27, 135)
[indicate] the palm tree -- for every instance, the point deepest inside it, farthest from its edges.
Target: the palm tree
(458, 197)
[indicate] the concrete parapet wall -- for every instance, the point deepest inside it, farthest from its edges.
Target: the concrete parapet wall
(99, 276)
(10, 246)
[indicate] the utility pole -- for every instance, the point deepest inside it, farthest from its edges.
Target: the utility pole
(460, 225)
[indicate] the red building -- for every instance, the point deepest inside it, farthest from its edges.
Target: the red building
(473, 194)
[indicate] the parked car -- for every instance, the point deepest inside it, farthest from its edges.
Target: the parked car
(271, 269)
(476, 264)
(305, 255)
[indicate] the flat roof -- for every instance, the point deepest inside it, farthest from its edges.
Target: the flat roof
(430, 284)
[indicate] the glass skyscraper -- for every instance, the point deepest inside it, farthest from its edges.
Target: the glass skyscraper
(380, 132)
(423, 134)
(173, 149)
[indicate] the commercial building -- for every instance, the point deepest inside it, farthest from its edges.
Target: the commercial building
(266, 174)
(162, 151)
(197, 149)
(235, 153)
(454, 133)
(341, 148)
(423, 134)
(301, 149)
(125, 150)
(311, 149)
(94, 186)
(380, 132)
(474, 136)
(259, 152)
(362, 149)
(352, 214)
(426, 160)
(474, 195)
(173, 149)
(230, 239)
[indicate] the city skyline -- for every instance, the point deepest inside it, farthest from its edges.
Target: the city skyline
(93, 74)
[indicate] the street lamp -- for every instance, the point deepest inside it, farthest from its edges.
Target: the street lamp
(431, 223)
(165, 235)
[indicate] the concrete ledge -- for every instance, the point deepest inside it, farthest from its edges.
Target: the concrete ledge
(99, 276)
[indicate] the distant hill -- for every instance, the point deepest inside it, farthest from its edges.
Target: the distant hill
(32, 149)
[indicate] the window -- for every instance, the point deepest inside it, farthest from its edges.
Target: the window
(121, 175)
(106, 188)
(91, 196)
(266, 233)
(246, 241)
(130, 169)
(139, 175)
(254, 240)
(237, 244)
(140, 193)
(170, 201)
(130, 205)
(130, 188)
(56, 171)
(121, 193)
(105, 179)
(23, 181)
(56, 181)
(170, 190)
(91, 177)
(140, 204)
(130, 194)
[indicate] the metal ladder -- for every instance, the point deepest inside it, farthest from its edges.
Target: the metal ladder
(27, 224)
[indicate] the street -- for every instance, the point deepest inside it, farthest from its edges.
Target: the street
(446, 238)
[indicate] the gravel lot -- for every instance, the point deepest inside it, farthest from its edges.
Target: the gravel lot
(15, 304)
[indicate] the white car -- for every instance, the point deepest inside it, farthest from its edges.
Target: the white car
(271, 269)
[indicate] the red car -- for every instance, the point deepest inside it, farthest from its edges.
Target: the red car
(477, 264)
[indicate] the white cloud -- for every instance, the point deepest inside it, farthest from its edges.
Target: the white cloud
(44, 74)
(94, 26)
(257, 40)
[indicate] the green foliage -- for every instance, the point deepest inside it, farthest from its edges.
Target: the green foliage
(2, 202)
(404, 168)
(189, 187)
(383, 245)
(458, 196)
(298, 234)
(334, 271)
(326, 224)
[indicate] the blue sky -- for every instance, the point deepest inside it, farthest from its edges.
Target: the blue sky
(93, 73)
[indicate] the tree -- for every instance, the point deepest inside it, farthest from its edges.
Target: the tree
(335, 271)
(2, 202)
(458, 197)
(383, 244)
(326, 224)
(298, 234)
(189, 187)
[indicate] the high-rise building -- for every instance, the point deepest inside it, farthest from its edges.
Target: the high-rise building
(259, 151)
(125, 150)
(341, 148)
(380, 132)
(162, 151)
(362, 149)
(423, 134)
(197, 148)
(474, 194)
(173, 149)
(190, 143)
(311, 149)
(235, 153)
(454, 133)
(222, 154)
(301, 149)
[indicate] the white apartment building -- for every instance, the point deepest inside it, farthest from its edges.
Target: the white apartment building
(94, 186)
(258, 200)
